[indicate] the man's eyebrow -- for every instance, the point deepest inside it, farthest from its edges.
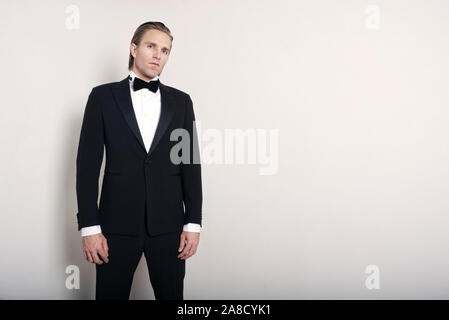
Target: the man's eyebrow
(148, 42)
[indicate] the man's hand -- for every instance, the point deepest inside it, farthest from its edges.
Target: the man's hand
(189, 242)
(94, 245)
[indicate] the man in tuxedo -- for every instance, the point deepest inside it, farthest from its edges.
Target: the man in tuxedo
(151, 195)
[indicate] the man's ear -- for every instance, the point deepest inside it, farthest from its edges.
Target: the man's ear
(132, 49)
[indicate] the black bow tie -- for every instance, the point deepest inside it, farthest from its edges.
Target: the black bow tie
(140, 84)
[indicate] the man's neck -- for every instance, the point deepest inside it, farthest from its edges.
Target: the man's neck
(141, 76)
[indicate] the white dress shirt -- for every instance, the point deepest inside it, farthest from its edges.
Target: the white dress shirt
(147, 108)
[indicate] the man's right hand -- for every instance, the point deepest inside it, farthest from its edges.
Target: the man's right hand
(94, 245)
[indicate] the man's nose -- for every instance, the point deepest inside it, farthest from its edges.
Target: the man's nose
(157, 54)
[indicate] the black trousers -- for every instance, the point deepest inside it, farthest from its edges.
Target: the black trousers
(166, 271)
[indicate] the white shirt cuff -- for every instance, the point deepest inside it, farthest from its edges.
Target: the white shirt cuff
(192, 227)
(88, 231)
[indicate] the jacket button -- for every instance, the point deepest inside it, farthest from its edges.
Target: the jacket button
(147, 160)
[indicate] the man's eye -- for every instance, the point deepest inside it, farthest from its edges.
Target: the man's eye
(149, 45)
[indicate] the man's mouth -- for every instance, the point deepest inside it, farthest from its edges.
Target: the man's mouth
(154, 63)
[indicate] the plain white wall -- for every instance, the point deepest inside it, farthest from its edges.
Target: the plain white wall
(357, 91)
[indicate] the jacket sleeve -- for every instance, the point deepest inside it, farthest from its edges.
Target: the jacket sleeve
(191, 172)
(88, 162)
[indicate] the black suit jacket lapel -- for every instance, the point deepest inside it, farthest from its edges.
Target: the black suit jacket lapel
(167, 111)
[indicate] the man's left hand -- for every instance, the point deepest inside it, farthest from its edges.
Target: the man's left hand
(188, 244)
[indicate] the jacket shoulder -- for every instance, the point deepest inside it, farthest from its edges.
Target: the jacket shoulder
(105, 86)
(176, 92)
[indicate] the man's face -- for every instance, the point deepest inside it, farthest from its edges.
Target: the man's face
(151, 55)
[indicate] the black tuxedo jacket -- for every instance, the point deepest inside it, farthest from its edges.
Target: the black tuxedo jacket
(136, 181)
